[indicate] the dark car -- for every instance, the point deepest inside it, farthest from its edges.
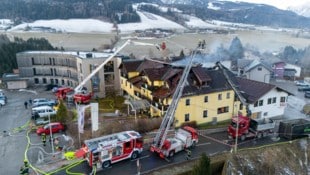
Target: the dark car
(304, 88)
(51, 86)
(307, 94)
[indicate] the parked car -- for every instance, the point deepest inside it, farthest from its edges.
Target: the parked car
(307, 94)
(43, 102)
(304, 88)
(42, 111)
(56, 127)
(51, 87)
(302, 83)
(2, 102)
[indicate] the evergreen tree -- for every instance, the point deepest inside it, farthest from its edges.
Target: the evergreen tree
(203, 167)
(62, 112)
(236, 49)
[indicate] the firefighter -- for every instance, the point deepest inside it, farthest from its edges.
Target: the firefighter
(189, 154)
(43, 138)
(24, 170)
(26, 164)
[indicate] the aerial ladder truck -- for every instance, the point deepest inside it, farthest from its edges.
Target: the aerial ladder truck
(185, 137)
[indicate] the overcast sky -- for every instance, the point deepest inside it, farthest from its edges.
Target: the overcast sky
(281, 4)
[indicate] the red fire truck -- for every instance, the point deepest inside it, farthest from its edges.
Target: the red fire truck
(106, 150)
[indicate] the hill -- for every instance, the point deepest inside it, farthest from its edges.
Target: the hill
(127, 11)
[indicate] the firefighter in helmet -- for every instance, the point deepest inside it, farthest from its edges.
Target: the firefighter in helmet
(24, 170)
(43, 139)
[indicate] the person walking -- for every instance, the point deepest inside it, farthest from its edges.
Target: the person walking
(43, 139)
(26, 104)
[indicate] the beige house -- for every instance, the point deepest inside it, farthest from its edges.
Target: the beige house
(69, 69)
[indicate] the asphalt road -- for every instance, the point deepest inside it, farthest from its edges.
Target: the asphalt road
(12, 116)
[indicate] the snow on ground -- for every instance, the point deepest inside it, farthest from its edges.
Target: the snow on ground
(194, 22)
(149, 21)
(213, 7)
(5, 23)
(70, 25)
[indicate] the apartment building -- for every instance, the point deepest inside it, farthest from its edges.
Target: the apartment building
(69, 69)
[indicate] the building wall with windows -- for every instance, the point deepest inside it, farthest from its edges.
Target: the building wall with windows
(217, 106)
(69, 69)
(272, 104)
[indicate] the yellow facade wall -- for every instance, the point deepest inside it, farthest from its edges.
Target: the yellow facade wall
(127, 86)
(132, 74)
(197, 106)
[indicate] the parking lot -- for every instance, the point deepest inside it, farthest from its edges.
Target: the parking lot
(14, 120)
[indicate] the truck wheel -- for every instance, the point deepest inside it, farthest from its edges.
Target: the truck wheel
(242, 138)
(106, 164)
(134, 155)
(171, 153)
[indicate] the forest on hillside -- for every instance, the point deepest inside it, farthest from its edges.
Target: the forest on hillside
(116, 11)
(9, 49)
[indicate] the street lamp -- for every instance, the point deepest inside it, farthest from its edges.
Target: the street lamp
(51, 134)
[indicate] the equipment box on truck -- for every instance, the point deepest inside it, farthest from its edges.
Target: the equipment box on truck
(295, 128)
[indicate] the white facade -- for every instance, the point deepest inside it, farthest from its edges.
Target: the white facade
(259, 73)
(270, 108)
(292, 66)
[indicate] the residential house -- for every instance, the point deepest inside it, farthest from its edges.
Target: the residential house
(254, 70)
(207, 96)
(283, 70)
(264, 100)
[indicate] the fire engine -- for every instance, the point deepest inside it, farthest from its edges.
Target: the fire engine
(185, 137)
(106, 150)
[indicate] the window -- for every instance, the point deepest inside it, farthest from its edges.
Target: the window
(56, 81)
(206, 99)
(36, 81)
(265, 113)
(219, 96)
(282, 99)
(228, 95)
(222, 110)
(62, 82)
(187, 102)
(274, 99)
(186, 117)
(269, 101)
(205, 113)
(260, 102)
(44, 81)
(256, 104)
(241, 107)
(259, 68)
(34, 71)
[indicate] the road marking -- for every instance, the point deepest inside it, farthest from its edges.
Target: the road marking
(202, 144)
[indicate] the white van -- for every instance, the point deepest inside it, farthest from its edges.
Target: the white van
(43, 111)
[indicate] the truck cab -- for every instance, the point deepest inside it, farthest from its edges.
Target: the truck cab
(249, 128)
